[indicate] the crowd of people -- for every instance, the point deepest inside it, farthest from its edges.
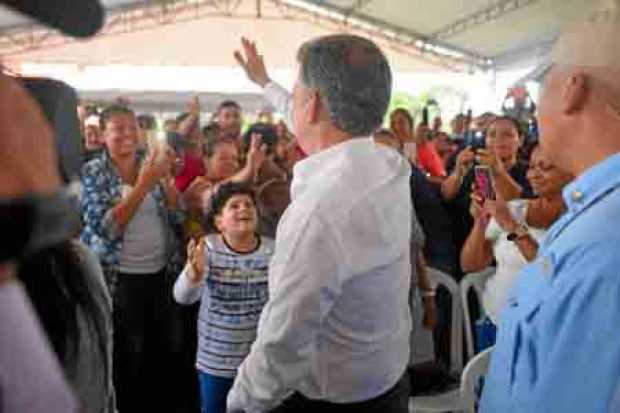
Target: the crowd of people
(284, 268)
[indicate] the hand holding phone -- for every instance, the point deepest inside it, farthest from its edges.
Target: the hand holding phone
(484, 183)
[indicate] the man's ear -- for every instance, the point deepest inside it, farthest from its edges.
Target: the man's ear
(574, 93)
(314, 106)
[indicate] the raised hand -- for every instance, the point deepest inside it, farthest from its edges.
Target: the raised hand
(193, 195)
(464, 160)
(488, 158)
(157, 165)
(194, 106)
(478, 210)
(197, 261)
(257, 153)
(499, 210)
(252, 63)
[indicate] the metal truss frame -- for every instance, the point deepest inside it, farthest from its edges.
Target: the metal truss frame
(532, 51)
(144, 15)
(397, 38)
(128, 18)
(480, 17)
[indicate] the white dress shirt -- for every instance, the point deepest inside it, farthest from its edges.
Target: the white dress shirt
(337, 323)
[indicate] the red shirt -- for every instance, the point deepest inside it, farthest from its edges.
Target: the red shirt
(193, 166)
(429, 160)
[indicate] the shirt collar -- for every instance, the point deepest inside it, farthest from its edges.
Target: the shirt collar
(312, 168)
(592, 184)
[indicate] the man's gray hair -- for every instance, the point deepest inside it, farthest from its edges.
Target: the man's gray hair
(352, 76)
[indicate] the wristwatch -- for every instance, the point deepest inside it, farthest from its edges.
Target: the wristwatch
(521, 231)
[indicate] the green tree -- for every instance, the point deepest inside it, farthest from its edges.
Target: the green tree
(450, 100)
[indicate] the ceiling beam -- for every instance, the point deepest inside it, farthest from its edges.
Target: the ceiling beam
(402, 38)
(358, 5)
(127, 18)
(528, 55)
(480, 17)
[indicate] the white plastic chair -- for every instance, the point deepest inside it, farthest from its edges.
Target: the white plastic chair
(475, 280)
(445, 401)
(463, 399)
(476, 369)
(456, 328)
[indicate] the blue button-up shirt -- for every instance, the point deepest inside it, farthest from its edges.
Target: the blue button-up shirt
(558, 346)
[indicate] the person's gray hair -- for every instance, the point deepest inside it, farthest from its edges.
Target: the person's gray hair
(353, 78)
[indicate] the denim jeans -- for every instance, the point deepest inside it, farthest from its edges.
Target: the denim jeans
(213, 392)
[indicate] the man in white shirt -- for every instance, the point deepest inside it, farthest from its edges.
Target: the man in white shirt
(334, 335)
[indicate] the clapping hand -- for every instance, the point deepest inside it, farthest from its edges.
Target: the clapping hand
(197, 261)
(257, 153)
(157, 165)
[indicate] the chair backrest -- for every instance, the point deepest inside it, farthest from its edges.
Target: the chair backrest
(456, 329)
(475, 280)
(475, 369)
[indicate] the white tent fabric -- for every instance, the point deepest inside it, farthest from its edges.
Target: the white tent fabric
(493, 33)
(204, 40)
(509, 32)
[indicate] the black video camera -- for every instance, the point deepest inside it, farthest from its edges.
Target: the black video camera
(267, 132)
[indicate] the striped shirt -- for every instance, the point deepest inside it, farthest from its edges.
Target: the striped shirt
(233, 294)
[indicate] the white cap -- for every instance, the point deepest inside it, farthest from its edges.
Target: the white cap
(592, 42)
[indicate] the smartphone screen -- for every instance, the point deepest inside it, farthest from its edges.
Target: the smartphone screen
(484, 182)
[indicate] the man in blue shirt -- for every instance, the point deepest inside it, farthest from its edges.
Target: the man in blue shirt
(558, 347)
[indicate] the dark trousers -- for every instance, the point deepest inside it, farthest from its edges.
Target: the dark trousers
(395, 400)
(142, 346)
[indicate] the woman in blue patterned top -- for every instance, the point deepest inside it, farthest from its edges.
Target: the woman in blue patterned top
(228, 270)
(131, 219)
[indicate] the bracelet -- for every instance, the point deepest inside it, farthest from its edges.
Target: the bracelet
(428, 293)
(520, 232)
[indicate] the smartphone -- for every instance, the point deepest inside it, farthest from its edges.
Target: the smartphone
(425, 116)
(479, 140)
(268, 135)
(485, 187)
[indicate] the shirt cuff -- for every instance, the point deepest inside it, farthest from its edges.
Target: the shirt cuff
(184, 291)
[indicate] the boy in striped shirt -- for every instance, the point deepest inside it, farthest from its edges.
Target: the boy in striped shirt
(228, 271)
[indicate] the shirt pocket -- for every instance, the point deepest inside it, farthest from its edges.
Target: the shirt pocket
(524, 304)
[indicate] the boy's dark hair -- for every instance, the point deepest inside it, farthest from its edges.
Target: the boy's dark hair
(110, 111)
(228, 104)
(221, 197)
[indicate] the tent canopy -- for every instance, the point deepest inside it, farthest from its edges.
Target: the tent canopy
(421, 35)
